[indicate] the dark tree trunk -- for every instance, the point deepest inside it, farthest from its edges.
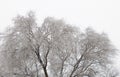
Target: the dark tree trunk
(45, 71)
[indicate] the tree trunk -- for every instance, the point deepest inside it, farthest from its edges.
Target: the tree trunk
(45, 71)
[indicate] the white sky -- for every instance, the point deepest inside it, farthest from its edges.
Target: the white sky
(102, 15)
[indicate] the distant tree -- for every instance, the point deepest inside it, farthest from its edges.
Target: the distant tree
(54, 49)
(112, 72)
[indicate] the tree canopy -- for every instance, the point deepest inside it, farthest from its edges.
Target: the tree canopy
(53, 49)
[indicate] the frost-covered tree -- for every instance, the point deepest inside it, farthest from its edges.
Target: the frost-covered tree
(53, 49)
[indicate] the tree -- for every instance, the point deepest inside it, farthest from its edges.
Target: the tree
(112, 72)
(53, 49)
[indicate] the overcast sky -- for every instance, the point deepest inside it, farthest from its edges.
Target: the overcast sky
(102, 15)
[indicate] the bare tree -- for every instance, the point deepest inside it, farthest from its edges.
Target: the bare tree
(111, 72)
(54, 49)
